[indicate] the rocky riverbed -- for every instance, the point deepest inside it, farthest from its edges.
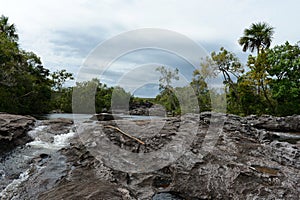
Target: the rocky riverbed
(206, 156)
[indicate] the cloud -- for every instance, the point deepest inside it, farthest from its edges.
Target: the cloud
(64, 33)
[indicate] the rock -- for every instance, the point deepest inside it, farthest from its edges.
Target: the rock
(140, 108)
(104, 117)
(139, 111)
(85, 189)
(57, 126)
(284, 124)
(87, 178)
(157, 110)
(245, 161)
(13, 130)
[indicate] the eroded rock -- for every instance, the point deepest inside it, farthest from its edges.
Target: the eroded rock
(243, 161)
(284, 124)
(57, 126)
(13, 129)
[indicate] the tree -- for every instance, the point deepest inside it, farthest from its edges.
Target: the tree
(93, 96)
(226, 63)
(167, 75)
(24, 84)
(9, 30)
(284, 67)
(167, 95)
(200, 88)
(59, 77)
(258, 37)
(260, 79)
(120, 98)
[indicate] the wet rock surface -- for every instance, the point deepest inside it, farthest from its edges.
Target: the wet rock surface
(227, 157)
(13, 129)
(57, 126)
(85, 178)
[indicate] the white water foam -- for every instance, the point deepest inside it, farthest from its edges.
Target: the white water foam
(34, 132)
(59, 141)
(10, 191)
(63, 139)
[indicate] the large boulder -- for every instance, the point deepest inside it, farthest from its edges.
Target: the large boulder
(13, 130)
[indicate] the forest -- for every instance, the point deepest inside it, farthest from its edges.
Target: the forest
(269, 83)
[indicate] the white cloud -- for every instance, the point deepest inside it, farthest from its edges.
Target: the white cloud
(63, 32)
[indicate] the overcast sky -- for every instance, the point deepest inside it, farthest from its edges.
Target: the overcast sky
(64, 32)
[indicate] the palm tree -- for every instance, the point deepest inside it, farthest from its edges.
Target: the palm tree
(8, 29)
(258, 36)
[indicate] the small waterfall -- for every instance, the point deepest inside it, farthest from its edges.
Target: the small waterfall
(39, 161)
(59, 141)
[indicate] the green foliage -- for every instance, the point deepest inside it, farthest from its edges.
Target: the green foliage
(8, 30)
(257, 37)
(120, 98)
(284, 67)
(24, 84)
(167, 75)
(92, 93)
(271, 84)
(168, 99)
(59, 77)
(227, 64)
(167, 96)
(200, 88)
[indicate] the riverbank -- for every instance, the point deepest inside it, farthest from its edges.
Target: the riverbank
(206, 156)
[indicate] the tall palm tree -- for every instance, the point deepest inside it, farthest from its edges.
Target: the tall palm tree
(258, 36)
(8, 29)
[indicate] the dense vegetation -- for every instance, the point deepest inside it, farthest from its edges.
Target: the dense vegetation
(25, 86)
(268, 84)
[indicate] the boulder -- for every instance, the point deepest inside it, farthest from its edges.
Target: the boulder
(140, 108)
(104, 117)
(58, 126)
(13, 130)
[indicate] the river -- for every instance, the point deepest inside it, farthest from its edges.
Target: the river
(28, 170)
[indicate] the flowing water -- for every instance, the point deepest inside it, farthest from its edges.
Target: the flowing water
(39, 161)
(37, 166)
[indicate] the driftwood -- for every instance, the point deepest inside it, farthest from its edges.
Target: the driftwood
(126, 134)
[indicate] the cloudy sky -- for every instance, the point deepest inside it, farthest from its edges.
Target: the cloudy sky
(65, 32)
